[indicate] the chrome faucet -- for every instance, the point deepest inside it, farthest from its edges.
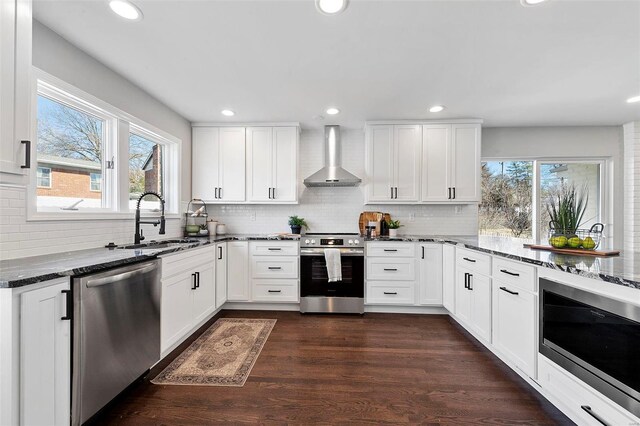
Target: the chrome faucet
(138, 236)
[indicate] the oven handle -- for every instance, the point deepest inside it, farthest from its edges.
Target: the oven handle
(320, 252)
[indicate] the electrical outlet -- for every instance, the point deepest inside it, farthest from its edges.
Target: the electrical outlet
(412, 217)
(458, 210)
(252, 216)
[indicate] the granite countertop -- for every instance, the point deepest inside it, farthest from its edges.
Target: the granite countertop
(622, 270)
(30, 270)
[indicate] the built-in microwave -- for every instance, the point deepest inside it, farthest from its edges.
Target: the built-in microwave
(594, 337)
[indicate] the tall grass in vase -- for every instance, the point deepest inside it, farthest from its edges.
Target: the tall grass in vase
(566, 208)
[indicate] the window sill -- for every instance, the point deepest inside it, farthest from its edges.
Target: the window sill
(79, 215)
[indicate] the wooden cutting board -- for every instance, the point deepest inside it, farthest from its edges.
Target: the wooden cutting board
(366, 217)
(579, 252)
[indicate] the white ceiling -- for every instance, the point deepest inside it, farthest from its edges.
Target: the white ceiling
(561, 63)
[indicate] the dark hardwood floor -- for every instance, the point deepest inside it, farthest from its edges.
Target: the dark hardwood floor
(379, 368)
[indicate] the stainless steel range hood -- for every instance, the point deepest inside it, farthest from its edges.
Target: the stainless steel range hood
(332, 174)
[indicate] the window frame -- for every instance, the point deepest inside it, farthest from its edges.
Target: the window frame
(605, 180)
(50, 178)
(115, 181)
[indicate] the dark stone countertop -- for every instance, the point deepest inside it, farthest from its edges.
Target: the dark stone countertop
(31, 270)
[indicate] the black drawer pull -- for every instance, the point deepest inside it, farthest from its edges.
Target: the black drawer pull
(197, 279)
(515, 293)
(274, 249)
(513, 274)
(470, 287)
(454, 192)
(193, 276)
(466, 280)
(27, 154)
(390, 292)
(275, 268)
(390, 249)
(220, 253)
(594, 415)
(275, 291)
(469, 260)
(69, 306)
(390, 269)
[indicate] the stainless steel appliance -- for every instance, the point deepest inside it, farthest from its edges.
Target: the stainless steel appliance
(116, 334)
(317, 294)
(332, 174)
(595, 338)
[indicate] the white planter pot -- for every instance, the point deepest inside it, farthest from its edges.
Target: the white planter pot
(393, 233)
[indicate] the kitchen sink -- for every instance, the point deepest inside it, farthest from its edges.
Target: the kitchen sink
(154, 245)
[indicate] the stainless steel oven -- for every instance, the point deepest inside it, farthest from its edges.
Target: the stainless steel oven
(317, 294)
(596, 338)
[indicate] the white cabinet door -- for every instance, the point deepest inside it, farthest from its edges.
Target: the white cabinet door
(380, 171)
(204, 163)
(514, 319)
(448, 277)
(15, 86)
(176, 313)
(260, 163)
(238, 271)
(481, 305)
(436, 140)
(285, 164)
(45, 356)
(204, 296)
(407, 148)
(221, 274)
(232, 164)
(463, 296)
(465, 152)
(430, 283)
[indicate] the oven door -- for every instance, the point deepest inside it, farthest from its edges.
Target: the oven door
(314, 280)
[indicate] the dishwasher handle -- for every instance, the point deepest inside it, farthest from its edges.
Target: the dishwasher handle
(147, 267)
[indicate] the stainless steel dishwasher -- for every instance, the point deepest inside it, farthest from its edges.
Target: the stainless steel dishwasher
(116, 334)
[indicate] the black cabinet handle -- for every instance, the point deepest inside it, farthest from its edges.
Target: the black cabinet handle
(274, 248)
(197, 279)
(275, 268)
(391, 192)
(269, 193)
(470, 287)
(27, 154)
(513, 274)
(274, 193)
(515, 293)
(220, 253)
(193, 279)
(449, 193)
(390, 292)
(594, 415)
(392, 250)
(466, 280)
(390, 269)
(396, 197)
(215, 193)
(275, 291)
(220, 193)
(69, 306)
(423, 252)
(454, 192)
(469, 260)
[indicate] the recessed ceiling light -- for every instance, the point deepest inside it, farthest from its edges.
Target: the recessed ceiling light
(634, 99)
(227, 113)
(531, 2)
(333, 111)
(436, 108)
(126, 9)
(331, 7)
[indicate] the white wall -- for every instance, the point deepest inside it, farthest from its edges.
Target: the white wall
(54, 55)
(565, 142)
(338, 209)
(632, 186)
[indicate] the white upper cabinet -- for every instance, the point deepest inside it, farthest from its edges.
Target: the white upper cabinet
(272, 164)
(451, 163)
(204, 163)
(231, 163)
(393, 163)
(15, 86)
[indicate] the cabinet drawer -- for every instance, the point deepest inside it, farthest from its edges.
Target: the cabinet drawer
(273, 248)
(574, 394)
(473, 260)
(188, 260)
(390, 293)
(275, 290)
(275, 267)
(391, 249)
(391, 269)
(515, 273)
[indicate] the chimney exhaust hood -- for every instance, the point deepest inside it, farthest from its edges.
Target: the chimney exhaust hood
(332, 174)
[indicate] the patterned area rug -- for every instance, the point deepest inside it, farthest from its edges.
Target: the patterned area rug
(222, 356)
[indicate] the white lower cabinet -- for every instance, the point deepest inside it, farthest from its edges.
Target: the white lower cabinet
(449, 277)
(188, 293)
(391, 292)
(514, 325)
(430, 279)
(274, 290)
(473, 301)
(45, 360)
(221, 274)
(238, 289)
(390, 273)
(275, 271)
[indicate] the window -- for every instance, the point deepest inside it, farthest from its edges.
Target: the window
(514, 205)
(98, 154)
(95, 183)
(43, 176)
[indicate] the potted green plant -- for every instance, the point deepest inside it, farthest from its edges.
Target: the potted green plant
(296, 223)
(393, 226)
(566, 209)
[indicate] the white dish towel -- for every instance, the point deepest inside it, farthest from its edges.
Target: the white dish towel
(334, 265)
